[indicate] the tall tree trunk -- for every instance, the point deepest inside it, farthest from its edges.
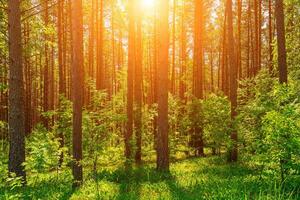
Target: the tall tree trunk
(233, 80)
(257, 51)
(100, 78)
(16, 122)
(61, 86)
(182, 85)
(282, 65)
(91, 48)
(212, 70)
(173, 78)
(248, 38)
(239, 46)
(46, 69)
(162, 91)
(224, 70)
(27, 74)
(77, 87)
(270, 38)
(138, 91)
(198, 70)
(154, 74)
(259, 33)
(113, 72)
(130, 76)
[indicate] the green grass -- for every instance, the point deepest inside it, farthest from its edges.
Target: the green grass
(195, 178)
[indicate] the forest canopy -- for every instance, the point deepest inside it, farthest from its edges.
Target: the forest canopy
(150, 99)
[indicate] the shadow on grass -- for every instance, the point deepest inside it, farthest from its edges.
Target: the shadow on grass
(136, 175)
(130, 181)
(48, 188)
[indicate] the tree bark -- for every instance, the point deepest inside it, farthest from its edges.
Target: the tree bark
(100, 78)
(198, 70)
(77, 87)
(162, 91)
(233, 80)
(281, 48)
(130, 76)
(138, 91)
(270, 38)
(16, 120)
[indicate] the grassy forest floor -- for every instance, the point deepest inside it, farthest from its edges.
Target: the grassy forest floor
(193, 178)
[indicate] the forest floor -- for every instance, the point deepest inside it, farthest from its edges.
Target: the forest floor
(194, 178)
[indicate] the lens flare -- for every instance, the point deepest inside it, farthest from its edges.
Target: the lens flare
(148, 3)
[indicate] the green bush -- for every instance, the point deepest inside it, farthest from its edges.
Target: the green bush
(43, 150)
(269, 123)
(217, 121)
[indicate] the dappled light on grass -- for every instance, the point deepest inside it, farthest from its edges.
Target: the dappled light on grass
(196, 178)
(190, 179)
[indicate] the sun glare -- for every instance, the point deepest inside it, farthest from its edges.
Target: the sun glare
(148, 3)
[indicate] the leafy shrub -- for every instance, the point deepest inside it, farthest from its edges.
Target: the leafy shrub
(269, 117)
(281, 129)
(217, 121)
(43, 150)
(101, 133)
(178, 126)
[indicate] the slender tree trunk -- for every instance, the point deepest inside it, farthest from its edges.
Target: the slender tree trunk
(198, 79)
(282, 65)
(224, 74)
(257, 51)
(46, 69)
(27, 73)
(233, 80)
(154, 74)
(113, 72)
(100, 78)
(259, 32)
(248, 38)
(211, 70)
(130, 76)
(16, 120)
(77, 85)
(239, 46)
(173, 78)
(270, 38)
(61, 87)
(162, 91)
(138, 91)
(91, 48)
(182, 85)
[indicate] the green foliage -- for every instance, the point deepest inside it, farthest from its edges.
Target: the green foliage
(11, 183)
(43, 150)
(269, 123)
(149, 112)
(281, 129)
(101, 135)
(292, 19)
(195, 121)
(3, 127)
(64, 123)
(178, 125)
(217, 121)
